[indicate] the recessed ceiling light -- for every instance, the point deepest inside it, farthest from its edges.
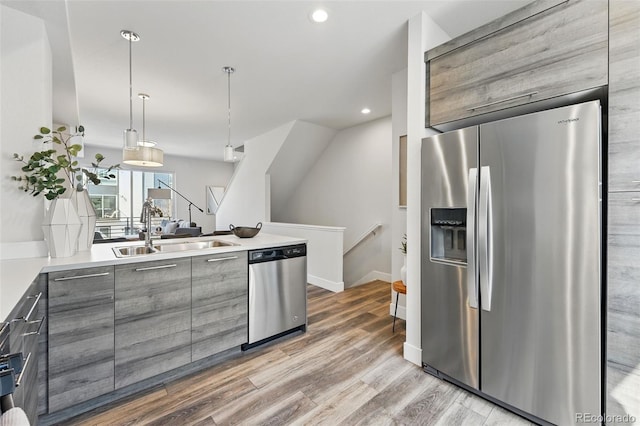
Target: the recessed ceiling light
(319, 15)
(365, 110)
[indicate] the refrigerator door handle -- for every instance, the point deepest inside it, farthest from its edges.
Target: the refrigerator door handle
(472, 199)
(485, 238)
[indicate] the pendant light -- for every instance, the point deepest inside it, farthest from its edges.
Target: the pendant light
(146, 154)
(130, 134)
(138, 152)
(228, 149)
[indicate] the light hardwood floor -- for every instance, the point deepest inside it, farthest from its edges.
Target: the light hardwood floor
(346, 369)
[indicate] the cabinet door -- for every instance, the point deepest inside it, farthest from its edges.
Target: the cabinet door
(624, 96)
(559, 51)
(623, 300)
(152, 319)
(81, 332)
(220, 303)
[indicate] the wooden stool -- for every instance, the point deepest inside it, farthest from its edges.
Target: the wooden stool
(398, 287)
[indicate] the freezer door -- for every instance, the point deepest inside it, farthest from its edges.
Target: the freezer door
(448, 292)
(539, 228)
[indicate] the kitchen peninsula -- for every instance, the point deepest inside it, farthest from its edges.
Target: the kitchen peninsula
(103, 326)
(17, 274)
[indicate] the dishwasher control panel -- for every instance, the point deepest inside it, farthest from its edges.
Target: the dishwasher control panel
(278, 253)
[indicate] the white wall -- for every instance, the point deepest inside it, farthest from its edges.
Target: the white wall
(350, 186)
(192, 175)
(424, 34)
(324, 251)
(398, 214)
(25, 96)
(269, 172)
(297, 155)
(246, 201)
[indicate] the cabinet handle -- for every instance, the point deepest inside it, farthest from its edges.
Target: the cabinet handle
(220, 259)
(24, 368)
(635, 181)
(151, 268)
(37, 332)
(635, 200)
(503, 100)
(78, 277)
(27, 318)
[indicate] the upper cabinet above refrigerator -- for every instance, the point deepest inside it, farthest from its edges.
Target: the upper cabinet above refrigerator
(519, 59)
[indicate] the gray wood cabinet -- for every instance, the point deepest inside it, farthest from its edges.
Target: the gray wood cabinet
(81, 335)
(25, 324)
(624, 96)
(558, 51)
(219, 318)
(623, 268)
(152, 319)
(623, 300)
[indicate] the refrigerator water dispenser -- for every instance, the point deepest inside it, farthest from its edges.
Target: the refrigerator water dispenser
(449, 235)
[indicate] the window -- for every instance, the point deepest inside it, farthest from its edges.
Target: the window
(118, 202)
(106, 206)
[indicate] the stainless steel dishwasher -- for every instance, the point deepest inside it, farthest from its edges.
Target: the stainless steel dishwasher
(277, 292)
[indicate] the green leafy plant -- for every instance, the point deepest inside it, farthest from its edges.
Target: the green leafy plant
(41, 170)
(403, 244)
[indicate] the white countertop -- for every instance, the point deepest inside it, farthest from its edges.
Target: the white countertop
(17, 274)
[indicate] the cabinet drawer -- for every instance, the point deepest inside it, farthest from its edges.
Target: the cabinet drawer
(559, 51)
(21, 335)
(220, 303)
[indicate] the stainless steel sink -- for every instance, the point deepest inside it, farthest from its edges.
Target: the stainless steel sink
(133, 251)
(191, 245)
(130, 251)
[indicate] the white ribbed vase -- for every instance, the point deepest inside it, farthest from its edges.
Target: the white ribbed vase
(87, 213)
(61, 227)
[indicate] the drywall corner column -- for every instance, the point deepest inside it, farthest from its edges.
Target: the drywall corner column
(423, 35)
(398, 214)
(25, 106)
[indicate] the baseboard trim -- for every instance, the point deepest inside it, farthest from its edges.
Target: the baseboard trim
(402, 310)
(372, 276)
(412, 354)
(333, 286)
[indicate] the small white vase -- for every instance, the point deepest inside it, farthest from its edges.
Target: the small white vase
(87, 213)
(403, 270)
(61, 227)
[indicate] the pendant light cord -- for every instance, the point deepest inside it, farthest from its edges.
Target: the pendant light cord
(229, 104)
(131, 90)
(144, 101)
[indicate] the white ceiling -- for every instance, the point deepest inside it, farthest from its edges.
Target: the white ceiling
(287, 67)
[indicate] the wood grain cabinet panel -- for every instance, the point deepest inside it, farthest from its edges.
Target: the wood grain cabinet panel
(623, 267)
(624, 96)
(81, 333)
(152, 319)
(25, 324)
(561, 50)
(220, 303)
(623, 300)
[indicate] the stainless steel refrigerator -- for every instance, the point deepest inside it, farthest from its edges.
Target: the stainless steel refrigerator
(511, 261)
